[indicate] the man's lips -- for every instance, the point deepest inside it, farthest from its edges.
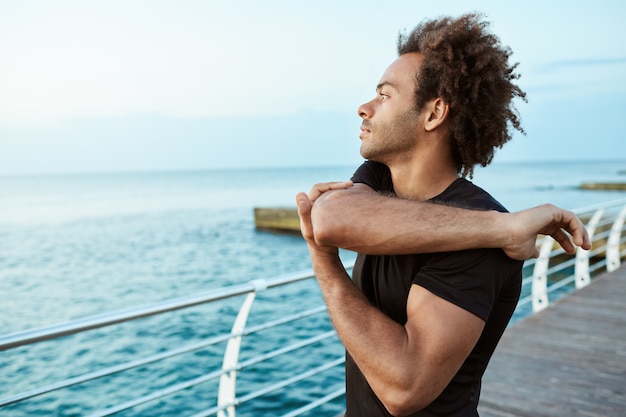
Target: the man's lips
(364, 129)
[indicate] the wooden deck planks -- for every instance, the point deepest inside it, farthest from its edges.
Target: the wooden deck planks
(569, 360)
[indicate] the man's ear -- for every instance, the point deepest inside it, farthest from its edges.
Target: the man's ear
(437, 113)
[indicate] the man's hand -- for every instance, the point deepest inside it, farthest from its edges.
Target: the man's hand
(305, 205)
(320, 188)
(564, 227)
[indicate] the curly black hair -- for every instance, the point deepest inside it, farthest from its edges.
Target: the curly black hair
(467, 66)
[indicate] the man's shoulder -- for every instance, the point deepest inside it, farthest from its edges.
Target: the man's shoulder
(465, 194)
(374, 174)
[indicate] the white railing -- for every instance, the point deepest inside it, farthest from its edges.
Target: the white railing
(226, 373)
(546, 278)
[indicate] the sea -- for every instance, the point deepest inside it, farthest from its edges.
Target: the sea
(77, 245)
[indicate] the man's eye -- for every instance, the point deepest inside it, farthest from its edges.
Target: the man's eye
(383, 96)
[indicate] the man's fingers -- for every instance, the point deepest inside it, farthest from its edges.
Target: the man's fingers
(304, 204)
(564, 240)
(580, 235)
(576, 230)
(566, 228)
(572, 236)
(321, 188)
(304, 212)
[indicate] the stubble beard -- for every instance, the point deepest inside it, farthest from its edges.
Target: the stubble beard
(390, 139)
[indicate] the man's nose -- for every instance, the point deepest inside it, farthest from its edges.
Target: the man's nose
(365, 111)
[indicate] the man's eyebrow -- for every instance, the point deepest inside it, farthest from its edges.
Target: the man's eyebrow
(386, 83)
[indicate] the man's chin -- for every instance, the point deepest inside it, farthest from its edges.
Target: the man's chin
(368, 155)
(365, 153)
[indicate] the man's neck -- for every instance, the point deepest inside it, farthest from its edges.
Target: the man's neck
(422, 178)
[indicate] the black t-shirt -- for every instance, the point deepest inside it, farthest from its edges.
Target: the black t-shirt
(484, 282)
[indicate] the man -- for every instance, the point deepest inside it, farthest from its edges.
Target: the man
(418, 321)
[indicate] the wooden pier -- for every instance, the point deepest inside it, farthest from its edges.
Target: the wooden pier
(568, 360)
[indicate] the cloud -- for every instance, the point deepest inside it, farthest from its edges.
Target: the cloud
(584, 63)
(577, 79)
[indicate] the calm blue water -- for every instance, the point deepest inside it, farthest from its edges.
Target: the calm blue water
(77, 245)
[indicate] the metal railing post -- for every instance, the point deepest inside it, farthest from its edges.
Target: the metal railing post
(540, 276)
(228, 381)
(583, 276)
(613, 245)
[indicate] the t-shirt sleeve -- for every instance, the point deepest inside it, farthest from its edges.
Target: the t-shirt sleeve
(374, 174)
(470, 279)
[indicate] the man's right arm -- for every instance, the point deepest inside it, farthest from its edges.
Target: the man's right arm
(359, 219)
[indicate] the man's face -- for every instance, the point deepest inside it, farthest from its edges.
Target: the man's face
(390, 122)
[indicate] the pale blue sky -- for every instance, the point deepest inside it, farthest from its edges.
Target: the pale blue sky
(161, 85)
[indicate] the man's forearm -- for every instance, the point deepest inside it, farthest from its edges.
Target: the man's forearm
(379, 345)
(374, 224)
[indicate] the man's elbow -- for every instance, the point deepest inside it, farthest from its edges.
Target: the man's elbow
(404, 403)
(408, 395)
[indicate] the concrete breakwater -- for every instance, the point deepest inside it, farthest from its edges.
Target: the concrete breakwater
(614, 186)
(279, 219)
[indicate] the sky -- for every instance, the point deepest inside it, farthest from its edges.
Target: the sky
(96, 86)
